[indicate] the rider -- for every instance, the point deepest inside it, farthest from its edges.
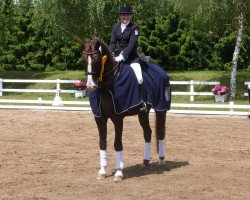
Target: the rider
(125, 35)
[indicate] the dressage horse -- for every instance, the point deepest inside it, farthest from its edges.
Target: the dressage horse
(102, 71)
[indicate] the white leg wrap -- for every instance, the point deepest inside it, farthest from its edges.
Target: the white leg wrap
(103, 158)
(147, 151)
(161, 148)
(137, 69)
(119, 161)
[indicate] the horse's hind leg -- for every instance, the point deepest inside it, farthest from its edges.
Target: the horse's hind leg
(160, 130)
(118, 124)
(102, 128)
(147, 132)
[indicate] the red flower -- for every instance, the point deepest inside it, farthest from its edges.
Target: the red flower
(81, 85)
(220, 90)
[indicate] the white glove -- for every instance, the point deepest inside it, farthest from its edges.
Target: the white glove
(119, 58)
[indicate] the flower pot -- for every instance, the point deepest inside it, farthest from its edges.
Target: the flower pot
(220, 98)
(80, 93)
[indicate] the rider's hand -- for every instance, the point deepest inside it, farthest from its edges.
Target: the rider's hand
(119, 58)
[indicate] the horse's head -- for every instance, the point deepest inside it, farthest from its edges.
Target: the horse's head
(96, 58)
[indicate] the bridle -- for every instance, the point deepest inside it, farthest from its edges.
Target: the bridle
(102, 75)
(91, 53)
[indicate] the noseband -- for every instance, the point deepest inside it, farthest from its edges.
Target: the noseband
(90, 53)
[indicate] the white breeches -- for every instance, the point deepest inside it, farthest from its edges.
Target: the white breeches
(137, 69)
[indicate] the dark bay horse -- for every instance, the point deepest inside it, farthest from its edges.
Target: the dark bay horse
(101, 70)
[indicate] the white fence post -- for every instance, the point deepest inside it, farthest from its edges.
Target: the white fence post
(248, 89)
(231, 105)
(191, 90)
(57, 100)
(1, 86)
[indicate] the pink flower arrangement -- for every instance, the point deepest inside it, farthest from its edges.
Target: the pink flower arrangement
(220, 90)
(80, 85)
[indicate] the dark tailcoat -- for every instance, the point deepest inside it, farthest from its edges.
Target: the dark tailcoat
(125, 42)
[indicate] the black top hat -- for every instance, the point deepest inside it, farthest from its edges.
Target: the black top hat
(125, 10)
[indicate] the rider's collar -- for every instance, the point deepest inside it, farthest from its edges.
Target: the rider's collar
(125, 24)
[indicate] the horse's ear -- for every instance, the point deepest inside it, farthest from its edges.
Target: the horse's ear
(80, 41)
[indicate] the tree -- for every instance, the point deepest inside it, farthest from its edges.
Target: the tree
(243, 9)
(7, 23)
(218, 18)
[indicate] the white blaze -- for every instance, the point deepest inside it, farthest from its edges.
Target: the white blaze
(90, 82)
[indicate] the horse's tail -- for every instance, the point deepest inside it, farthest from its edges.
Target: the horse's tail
(160, 127)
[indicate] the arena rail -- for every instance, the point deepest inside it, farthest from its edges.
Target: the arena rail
(58, 83)
(57, 104)
(228, 109)
(192, 84)
(57, 100)
(58, 89)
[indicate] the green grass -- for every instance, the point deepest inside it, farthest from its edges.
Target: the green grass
(221, 76)
(63, 75)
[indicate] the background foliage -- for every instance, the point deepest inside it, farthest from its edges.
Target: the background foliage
(39, 35)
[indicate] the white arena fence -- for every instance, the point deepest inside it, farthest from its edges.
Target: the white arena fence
(59, 104)
(248, 86)
(192, 85)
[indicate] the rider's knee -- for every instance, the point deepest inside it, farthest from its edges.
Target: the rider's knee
(137, 69)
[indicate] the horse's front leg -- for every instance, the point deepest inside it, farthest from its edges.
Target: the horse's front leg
(102, 129)
(118, 124)
(160, 129)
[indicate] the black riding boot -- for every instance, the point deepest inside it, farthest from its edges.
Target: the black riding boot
(143, 94)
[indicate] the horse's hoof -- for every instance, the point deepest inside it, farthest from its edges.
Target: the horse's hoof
(118, 176)
(146, 162)
(118, 179)
(101, 176)
(248, 116)
(161, 162)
